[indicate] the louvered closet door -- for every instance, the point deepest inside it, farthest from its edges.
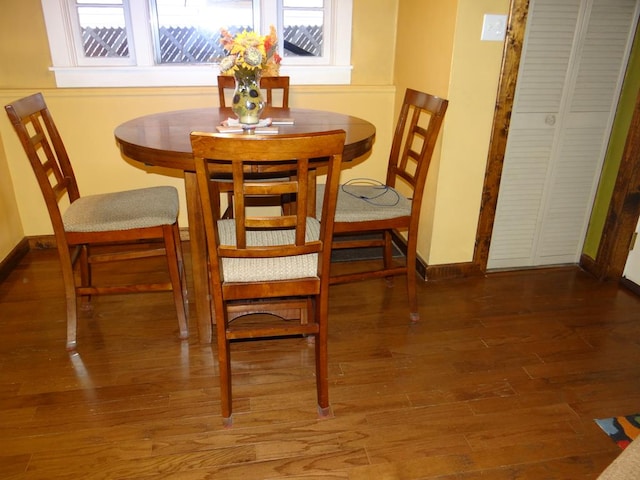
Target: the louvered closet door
(571, 70)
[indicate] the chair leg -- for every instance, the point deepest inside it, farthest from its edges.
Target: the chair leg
(224, 360)
(71, 297)
(387, 255)
(412, 295)
(388, 249)
(72, 320)
(322, 379)
(171, 247)
(322, 367)
(86, 277)
(228, 213)
(224, 366)
(183, 270)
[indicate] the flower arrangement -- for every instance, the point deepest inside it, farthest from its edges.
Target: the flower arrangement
(250, 54)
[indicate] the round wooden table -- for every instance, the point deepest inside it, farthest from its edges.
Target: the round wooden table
(162, 140)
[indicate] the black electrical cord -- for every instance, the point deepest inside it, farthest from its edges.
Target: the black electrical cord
(379, 198)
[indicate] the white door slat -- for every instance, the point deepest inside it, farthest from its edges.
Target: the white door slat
(570, 75)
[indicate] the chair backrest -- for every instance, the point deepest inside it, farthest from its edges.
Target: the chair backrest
(43, 145)
(269, 84)
(225, 82)
(414, 140)
(240, 155)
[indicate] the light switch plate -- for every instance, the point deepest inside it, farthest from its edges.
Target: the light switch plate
(494, 27)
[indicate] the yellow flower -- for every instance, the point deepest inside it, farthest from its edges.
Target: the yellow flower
(249, 51)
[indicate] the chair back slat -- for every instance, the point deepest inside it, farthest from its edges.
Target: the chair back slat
(275, 88)
(225, 83)
(269, 188)
(272, 84)
(284, 221)
(46, 152)
(415, 138)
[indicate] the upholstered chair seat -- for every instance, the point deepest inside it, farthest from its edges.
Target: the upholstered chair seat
(140, 208)
(367, 202)
(264, 269)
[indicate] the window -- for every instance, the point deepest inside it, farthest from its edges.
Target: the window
(304, 22)
(129, 43)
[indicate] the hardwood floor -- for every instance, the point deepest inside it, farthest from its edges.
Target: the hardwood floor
(500, 380)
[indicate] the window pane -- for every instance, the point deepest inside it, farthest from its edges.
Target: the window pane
(104, 2)
(103, 31)
(303, 28)
(188, 31)
(302, 3)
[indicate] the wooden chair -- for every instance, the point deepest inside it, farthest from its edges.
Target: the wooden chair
(387, 209)
(225, 82)
(144, 215)
(275, 265)
(269, 84)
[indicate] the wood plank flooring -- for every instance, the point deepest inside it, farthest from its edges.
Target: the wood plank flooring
(500, 380)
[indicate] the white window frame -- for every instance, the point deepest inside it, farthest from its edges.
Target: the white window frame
(334, 68)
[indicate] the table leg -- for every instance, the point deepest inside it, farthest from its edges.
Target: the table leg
(198, 258)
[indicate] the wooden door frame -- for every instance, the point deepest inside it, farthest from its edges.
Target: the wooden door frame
(624, 209)
(514, 40)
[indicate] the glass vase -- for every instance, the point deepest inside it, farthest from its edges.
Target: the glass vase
(247, 99)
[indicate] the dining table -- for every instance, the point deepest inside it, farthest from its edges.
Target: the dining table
(163, 140)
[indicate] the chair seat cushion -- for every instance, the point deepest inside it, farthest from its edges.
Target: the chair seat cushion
(140, 208)
(268, 269)
(361, 203)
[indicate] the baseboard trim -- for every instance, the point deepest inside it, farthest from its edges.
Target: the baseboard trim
(426, 272)
(452, 270)
(438, 272)
(13, 259)
(589, 265)
(42, 242)
(628, 284)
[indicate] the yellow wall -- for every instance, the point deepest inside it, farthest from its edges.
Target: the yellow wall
(436, 49)
(23, 63)
(24, 51)
(10, 225)
(373, 41)
(473, 87)
(87, 118)
(465, 70)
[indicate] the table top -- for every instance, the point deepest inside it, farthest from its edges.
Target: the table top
(162, 139)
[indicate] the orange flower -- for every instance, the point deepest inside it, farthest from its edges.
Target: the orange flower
(249, 51)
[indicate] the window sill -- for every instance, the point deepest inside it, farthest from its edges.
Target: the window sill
(173, 76)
